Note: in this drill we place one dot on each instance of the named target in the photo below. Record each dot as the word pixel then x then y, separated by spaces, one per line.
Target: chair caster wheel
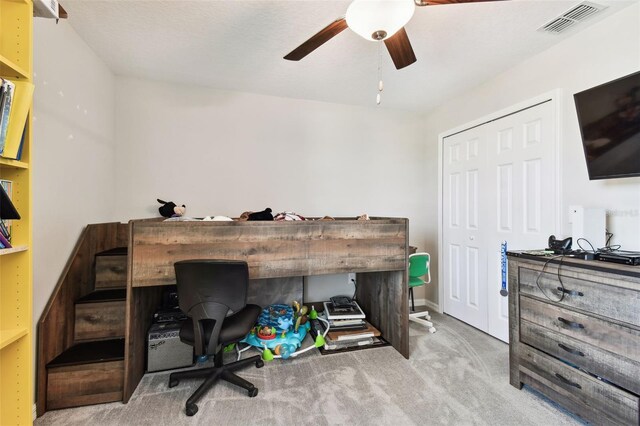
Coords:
pixel 432 330
pixel 259 363
pixel 191 409
pixel 173 383
pixel 252 392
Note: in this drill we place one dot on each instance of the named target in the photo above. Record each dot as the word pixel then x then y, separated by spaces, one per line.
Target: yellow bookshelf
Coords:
pixel 16 328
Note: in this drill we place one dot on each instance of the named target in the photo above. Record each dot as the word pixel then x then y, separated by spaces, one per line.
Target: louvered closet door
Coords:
pixel 505 190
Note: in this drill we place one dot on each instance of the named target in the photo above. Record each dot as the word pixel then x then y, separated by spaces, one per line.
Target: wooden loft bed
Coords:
pixel 376 250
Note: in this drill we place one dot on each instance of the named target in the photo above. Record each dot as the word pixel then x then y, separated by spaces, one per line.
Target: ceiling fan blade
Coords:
pixel 326 34
pixel 437 2
pixel 400 49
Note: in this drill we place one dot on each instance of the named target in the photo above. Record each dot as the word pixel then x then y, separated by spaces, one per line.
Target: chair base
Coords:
pixel 421 318
pixel 211 375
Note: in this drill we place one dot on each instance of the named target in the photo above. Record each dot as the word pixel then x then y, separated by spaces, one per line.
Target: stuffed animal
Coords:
pixel 263 215
pixel 169 209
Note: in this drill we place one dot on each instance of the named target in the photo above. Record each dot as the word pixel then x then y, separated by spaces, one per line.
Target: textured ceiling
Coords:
pixel 239 45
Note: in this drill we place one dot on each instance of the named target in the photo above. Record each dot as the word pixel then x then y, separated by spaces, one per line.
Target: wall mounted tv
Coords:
pixel 609 118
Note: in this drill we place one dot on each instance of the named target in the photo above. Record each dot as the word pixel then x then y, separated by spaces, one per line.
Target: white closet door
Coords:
pixel 464 258
pixel 521 198
pixel 499 184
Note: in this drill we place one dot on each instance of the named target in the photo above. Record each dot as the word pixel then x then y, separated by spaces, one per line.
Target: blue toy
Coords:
pixel 281 330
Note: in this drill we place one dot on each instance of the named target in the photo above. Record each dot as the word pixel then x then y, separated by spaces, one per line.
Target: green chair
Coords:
pixel 419 268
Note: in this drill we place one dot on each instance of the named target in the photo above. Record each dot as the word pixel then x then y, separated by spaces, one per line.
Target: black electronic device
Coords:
pixel 169 315
pixel 560 246
pixel 609 118
pixel 170 297
pixel 584 255
pixel 341 302
pixel 621 256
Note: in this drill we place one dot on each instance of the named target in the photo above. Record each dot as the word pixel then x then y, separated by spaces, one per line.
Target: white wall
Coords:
pixel 73 150
pixel 605 51
pixel 223 153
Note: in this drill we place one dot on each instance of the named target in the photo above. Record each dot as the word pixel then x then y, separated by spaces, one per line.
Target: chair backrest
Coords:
pixel 419 266
pixel 211 290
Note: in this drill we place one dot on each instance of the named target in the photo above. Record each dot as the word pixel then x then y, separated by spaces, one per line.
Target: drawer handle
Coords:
pixel 570 350
pixel 570 292
pixel 568 382
pixel 570 323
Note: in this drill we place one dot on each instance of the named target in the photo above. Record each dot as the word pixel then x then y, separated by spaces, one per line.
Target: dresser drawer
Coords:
pixel 589 397
pixel 615 338
pixel 608 365
pixel 619 303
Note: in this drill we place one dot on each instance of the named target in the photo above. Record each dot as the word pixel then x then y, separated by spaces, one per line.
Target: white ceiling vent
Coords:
pixel 572 16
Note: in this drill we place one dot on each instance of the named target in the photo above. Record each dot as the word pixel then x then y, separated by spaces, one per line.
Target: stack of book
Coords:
pixel 348 327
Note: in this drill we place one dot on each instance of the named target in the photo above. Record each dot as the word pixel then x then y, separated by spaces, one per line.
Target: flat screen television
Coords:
pixel 609 119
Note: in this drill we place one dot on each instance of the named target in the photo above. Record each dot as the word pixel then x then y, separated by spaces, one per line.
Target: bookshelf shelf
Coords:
pixel 7 337
pixel 7 162
pixel 11 69
pixel 16 275
pixel 12 250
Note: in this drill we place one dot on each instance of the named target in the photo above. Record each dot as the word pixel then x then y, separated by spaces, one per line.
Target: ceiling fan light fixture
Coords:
pixel 378 20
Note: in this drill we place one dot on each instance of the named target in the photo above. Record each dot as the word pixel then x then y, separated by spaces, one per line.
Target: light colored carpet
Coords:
pixel 457 376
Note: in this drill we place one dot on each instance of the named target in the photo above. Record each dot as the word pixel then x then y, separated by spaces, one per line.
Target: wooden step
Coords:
pixel 87 373
pixel 100 315
pixel 111 268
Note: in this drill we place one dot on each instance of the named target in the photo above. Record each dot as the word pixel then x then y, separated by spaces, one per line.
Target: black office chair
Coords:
pixel 213 293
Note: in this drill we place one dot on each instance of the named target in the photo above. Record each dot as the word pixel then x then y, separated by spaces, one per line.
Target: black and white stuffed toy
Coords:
pixel 263 215
pixel 170 209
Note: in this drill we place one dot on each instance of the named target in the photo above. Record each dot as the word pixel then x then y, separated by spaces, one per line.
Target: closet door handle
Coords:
pixel 570 292
pixel 570 350
pixel 570 323
pixel 568 382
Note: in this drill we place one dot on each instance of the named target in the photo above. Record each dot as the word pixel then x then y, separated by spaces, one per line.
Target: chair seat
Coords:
pixel 416 282
pixel 234 327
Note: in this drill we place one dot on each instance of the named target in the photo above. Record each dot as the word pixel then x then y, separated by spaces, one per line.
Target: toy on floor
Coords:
pixel 281 330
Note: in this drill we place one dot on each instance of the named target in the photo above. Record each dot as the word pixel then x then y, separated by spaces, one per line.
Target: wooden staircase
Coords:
pixel 81 334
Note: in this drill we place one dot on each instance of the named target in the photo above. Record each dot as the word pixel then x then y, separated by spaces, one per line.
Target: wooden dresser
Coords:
pixel 579 341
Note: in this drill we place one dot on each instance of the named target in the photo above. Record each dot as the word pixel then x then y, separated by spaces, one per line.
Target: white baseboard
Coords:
pixel 34 413
pixel 429 304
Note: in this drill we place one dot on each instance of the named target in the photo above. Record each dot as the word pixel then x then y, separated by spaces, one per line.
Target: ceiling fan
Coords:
pixel 375 20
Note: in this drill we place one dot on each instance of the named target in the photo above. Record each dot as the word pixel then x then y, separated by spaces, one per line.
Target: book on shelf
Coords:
pixel 14 119
pixel 6 97
pixel 5 230
pixel 4 243
pixel 5 225
pixel 7 209
pixel 353 312
pixel 19 153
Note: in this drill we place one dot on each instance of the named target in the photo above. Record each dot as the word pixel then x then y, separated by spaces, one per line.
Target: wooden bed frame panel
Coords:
pixel 272 249
pixel 376 250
